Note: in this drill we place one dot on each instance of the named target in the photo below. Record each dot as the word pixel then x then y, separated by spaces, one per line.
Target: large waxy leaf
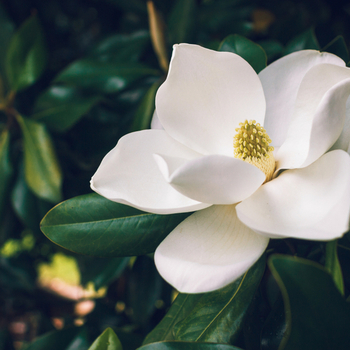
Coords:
pixel 105 77
pixel 333 265
pixel 93 225
pixel 26 55
pixel 304 41
pixel 317 316
pixel 41 167
pixel 210 317
pixel 108 340
pixel 253 53
pixel 60 107
pixel 182 345
pixel 182 21
pixel 6 169
pixel 144 113
pixel 121 47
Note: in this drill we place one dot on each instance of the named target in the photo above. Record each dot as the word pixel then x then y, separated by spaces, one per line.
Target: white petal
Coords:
pixel 155 123
pixel 206 95
pixel 208 250
pixel 212 179
pixel 343 141
pixel 128 174
pixel 281 81
pixel 319 116
pixel 308 203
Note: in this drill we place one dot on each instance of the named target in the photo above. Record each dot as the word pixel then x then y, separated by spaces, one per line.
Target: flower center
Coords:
pixel 251 144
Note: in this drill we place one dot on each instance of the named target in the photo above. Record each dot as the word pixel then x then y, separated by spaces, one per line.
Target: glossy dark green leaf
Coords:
pixel 305 41
pixel 60 107
pixel 104 77
pixel 253 53
pixel 333 266
pixel 121 47
pixel 6 169
pixel 218 316
pixel 41 167
pixel 102 271
pixel 338 47
pixel 144 113
pixel 108 340
pixel 93 225
pixel 179 310
pixel 182 345
pixel 273 49
pixel 26 56
pixel 144 289
pixel 55 340
pixel 6 30
pixel 182 21
pixel 317 315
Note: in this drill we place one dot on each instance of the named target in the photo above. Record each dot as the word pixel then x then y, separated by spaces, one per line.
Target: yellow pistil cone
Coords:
pixel 251 144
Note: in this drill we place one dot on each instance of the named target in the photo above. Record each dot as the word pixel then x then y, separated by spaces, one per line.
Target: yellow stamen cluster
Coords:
pixel 251 144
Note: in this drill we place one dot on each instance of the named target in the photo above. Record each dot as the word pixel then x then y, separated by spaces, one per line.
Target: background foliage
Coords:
pixel 77 75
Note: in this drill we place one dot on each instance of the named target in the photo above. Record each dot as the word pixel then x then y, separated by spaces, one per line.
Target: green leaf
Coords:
pixel 104 77
pixel 253 53
pixel 182 345
pixel 338 47
pixel 182 21
pixel 93 225
pixel 121 47
pixel 108 340
pixel 6 169
pixel 26 56
pixel 305 41
pixel 60 107
pixel 210 317
pixel 41 167
pixel 55 340
pixel 218 316
pixel 333 266
pixel 144 113
pixel 317 315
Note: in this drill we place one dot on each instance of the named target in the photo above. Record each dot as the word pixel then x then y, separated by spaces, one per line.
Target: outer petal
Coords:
pixel 208 250
pixel 128 174
pixel 308 203
pixel 319 116
pixel 155 123
pixel 212 179
pixel 281 81
pixel 206 95
pixel 343 141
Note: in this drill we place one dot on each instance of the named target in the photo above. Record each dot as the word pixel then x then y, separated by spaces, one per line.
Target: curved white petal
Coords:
pixel 206 95
pixel 319 116
pixel 128 174
pixel 308 203
pixel 208 250
pixel 281 81
pixel 343 141
pixel 155 122
pixel 212 179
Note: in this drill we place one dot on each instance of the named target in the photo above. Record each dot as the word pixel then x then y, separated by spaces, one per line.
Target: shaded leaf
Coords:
pixel 108 340
pixel 333 266
pixel 26 56
pixel 121 47
pixel 144 113
pixel 182 21
pixel 338 47
pixel 182 345
pixel 41 167
pixel 253 53
pixel 93 225
pixel 60 107
pixel 104 77
pixel 317 316
pixel 305 41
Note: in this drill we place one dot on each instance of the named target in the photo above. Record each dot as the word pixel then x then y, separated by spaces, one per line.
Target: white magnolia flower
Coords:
pixel 214 157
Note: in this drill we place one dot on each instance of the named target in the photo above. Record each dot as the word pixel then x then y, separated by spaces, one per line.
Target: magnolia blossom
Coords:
pixel 254 156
